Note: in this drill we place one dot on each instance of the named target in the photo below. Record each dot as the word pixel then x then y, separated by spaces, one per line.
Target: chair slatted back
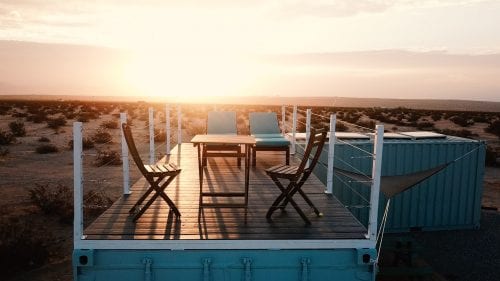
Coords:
pixel 127 132
pixel 316 140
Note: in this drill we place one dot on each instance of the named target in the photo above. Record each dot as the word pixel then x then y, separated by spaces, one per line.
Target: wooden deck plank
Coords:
pixel 222 174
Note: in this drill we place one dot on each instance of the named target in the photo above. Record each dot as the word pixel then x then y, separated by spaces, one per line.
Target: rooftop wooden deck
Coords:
pixel 222 174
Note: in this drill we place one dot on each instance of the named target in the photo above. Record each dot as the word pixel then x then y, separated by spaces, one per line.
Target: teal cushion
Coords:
pixel 271 142
pixel 268 136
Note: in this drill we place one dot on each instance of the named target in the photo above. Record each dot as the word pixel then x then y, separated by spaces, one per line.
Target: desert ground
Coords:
pixel 36 173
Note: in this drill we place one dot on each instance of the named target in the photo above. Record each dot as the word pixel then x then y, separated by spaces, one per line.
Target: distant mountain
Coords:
pixel 432 104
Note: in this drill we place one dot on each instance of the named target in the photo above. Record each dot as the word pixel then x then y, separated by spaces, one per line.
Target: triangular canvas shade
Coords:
pixel 393 185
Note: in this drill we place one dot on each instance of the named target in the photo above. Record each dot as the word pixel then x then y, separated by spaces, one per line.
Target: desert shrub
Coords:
pixel 56 200
pixel 87 143
pixel 6 138
pixel 491 156
pixel 4 151
pixel 108 157
pixel 19 115
pixel 367 124
pixel 37 118
pixel 95 202
pixel 459 133
pixel 102 136
pixel 494 128
pixel 111 124
pixel 43 139
pixel 196 128
pixel 70 114
pixel 17 128
pixel 56 123
pixel 341 127
pixel 46 148
pixel 22 246
pixel 159 135
pixel 425 125
pixel 4 109
pixel 436 116
pixel 461 121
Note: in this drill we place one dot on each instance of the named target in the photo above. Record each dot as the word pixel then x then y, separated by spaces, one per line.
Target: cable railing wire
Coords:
pixel 356 147
pixel 352 189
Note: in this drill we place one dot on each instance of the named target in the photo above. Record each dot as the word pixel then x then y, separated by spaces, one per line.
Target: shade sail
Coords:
pixel 393 185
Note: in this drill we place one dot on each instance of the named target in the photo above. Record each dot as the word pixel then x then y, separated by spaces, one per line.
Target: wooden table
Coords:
pixel 202 140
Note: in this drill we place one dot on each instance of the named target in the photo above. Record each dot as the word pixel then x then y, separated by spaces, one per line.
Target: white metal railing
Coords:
pixel 80 241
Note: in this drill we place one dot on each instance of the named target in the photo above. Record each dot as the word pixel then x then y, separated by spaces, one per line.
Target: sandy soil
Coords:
pixel 23 168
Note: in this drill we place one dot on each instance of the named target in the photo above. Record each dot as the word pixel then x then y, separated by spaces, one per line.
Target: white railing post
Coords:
pixel 378 144
pixel 77 183
pixel 126 170
pixel 308 129
pixel 151 136
pixel 179 124
pixel 294 128
pixel 331 153
pixel 167 128
pixel 283 119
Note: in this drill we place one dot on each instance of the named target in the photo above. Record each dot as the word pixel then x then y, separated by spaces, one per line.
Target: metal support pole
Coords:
pixel 77 183
pixel 126 169
pixel 378 144
pixel 294 128
pixel 331 153
pixel 283 119
pixel 308 129
pixel 179 124
pixel 167 128
pixel 151 136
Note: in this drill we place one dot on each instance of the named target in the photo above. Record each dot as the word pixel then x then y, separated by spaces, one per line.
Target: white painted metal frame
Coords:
pixel 179 124
pixel 77 183
pixel 125 164
pixel 294 129
pixel 151 137
pixel 378 144
pixel 223 244
pixel 308 130
pixel 331 153
pixel 167 128
pixel 283 119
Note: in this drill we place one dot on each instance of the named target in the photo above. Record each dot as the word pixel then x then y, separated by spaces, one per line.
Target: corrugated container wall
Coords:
pixel 450 199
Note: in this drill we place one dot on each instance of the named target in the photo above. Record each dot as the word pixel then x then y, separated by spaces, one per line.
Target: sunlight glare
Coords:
pixel 190 77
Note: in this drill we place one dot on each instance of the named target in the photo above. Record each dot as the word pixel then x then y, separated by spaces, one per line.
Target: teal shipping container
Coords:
pixel 448 200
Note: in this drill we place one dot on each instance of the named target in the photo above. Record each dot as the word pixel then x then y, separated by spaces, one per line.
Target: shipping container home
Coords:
pixel 451 199
pixel 222 244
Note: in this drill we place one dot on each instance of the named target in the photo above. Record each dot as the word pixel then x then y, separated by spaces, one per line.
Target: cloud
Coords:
pixel 346 8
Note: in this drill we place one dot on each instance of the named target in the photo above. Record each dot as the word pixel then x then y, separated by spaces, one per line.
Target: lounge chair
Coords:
pixel 154 174
pixel 297 176
pixel 264 127
pixel 222 123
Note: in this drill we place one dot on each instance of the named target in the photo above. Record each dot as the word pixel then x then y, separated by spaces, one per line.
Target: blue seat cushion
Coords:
pixel 271 142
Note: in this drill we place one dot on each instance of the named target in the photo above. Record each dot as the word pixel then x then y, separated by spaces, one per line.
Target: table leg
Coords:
pixel 200 173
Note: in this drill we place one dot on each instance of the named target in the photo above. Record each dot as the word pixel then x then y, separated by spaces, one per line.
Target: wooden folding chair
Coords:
pixel 154 174
pixel 297 175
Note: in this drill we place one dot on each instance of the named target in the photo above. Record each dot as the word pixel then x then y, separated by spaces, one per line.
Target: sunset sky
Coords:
pixel 447 49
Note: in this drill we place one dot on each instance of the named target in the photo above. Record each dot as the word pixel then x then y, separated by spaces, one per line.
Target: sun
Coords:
pixel 190 77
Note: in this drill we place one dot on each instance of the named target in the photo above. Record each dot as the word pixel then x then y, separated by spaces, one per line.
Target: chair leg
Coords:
pixel 151 182
pixel 239 158
pixel 287 157
pixel 254 156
